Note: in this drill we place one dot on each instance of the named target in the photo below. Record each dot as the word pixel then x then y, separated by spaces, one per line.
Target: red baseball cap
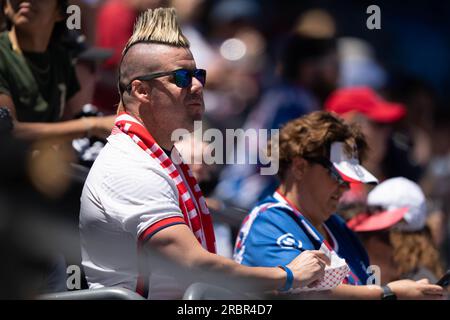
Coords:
pixel 364 222
pixel 364 100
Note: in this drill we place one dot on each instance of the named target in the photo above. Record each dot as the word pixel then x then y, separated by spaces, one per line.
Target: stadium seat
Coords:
pixel 113 293
pixel 204 291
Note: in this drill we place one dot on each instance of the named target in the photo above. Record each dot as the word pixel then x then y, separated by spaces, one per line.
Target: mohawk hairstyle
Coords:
pixel 157 26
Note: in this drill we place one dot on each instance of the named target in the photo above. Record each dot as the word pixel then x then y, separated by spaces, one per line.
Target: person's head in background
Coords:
pixel 28 17
pixel 309 57
pixel 394 232
pixel 188 10
pixel 235 29
pixel 86 60
pixel 421 100
pixel 375 115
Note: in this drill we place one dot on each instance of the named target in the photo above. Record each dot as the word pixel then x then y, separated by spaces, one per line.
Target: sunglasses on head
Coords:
pixel 332 171
pixel 181 77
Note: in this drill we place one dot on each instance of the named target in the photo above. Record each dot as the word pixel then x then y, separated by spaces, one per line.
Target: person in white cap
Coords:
pixel 395 234
pixel 319 157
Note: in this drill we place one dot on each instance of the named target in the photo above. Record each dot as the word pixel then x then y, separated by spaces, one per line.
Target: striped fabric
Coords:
pixel 191 201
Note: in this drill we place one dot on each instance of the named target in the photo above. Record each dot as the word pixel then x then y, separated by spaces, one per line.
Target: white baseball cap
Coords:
pixel 401 193
pixel 348 166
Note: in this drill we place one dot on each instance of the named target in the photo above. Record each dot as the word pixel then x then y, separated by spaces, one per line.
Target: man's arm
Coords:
pixel 69 130
pixel 178 244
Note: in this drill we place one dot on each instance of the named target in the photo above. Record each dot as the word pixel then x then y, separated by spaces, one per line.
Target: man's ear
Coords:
pixel 140 91
pixel 298 167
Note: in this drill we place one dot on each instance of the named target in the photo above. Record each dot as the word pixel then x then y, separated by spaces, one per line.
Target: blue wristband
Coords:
pixel 289 279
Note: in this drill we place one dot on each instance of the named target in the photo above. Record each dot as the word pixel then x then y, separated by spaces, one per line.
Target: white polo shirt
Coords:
pixel 126 193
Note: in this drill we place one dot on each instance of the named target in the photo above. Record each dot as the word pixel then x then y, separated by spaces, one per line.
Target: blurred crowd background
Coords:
pixel 268 62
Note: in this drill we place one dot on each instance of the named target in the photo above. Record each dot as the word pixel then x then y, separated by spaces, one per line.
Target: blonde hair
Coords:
pixel 413 250
pixel 157 26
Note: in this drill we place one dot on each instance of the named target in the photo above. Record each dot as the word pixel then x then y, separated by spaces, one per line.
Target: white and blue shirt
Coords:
pixel 274 233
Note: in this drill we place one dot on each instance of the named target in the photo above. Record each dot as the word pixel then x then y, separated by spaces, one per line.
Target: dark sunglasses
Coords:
pixel 332 171
pixel 181 77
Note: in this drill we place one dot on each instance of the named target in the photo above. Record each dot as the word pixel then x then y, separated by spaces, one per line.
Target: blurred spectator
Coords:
pixel 113 33
pixel 319 155
pixel 302 75
pixel 420 100
pixel 436 182
pixel 390 154
pixel 32 205
pixel 358 66
pixel 240 57
pixel 37 77
pixel 395 234
pixel 87 60
pixel 318 24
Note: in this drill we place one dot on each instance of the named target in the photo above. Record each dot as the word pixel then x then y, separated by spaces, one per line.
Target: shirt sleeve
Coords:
pixel 142 201
pixel 273 239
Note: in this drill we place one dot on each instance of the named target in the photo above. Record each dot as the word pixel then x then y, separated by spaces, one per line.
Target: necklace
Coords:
pixel 41 74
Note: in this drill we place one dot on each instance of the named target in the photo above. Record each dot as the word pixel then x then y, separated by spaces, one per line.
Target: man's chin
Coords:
pixel 197 115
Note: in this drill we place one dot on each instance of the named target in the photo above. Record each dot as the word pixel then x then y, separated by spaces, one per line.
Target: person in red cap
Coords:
pixel 375 115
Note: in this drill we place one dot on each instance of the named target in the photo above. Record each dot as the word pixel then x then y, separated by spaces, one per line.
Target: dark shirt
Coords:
pixel 39 84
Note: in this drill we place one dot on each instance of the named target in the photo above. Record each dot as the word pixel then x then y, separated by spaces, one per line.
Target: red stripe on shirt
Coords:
pixel 161 224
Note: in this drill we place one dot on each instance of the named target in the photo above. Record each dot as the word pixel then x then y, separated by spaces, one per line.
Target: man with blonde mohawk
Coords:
pixel 140 195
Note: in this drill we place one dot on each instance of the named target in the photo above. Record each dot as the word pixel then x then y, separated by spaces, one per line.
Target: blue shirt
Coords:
pixel 274 234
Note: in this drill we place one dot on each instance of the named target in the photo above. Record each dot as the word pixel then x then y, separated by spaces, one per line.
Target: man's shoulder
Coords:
pixel 122 160
pixel 123 151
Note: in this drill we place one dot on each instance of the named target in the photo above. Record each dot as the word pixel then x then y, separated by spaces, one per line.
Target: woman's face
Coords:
pixel 322 189
pixel 32 14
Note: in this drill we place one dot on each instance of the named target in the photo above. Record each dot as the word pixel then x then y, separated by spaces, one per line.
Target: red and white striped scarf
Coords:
pixel 190 198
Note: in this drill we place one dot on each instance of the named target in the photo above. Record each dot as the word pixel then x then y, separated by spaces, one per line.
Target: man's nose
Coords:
pixel 196 86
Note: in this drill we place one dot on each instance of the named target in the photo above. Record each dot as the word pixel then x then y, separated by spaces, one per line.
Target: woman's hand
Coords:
pixel 422 289
pixel 308 267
